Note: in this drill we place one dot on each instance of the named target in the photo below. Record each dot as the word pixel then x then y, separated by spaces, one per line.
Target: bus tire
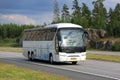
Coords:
pixel 32 56
pixel 74 62
pixel 51 59
pixel 29 56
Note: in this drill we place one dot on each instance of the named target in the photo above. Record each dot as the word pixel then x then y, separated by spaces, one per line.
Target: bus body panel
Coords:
pixel 43 49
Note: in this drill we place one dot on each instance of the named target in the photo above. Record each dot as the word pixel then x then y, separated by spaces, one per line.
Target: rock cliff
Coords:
pixel 95 39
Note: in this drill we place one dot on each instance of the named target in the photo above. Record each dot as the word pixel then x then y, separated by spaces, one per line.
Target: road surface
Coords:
pixel 88 70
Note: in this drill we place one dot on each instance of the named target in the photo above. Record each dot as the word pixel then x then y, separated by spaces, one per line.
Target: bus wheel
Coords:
pixel 32 57
pixel 29 56
pixel 51 59
pixel 74 62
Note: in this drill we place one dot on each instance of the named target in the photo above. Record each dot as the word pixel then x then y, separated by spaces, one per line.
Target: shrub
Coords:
pixel 116 46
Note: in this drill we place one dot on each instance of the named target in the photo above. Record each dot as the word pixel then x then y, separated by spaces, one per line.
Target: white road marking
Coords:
pixel 52 66
pixel 77 71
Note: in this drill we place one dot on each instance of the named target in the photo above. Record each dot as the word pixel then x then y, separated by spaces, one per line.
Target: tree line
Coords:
pixel 12 30
pixel 98 18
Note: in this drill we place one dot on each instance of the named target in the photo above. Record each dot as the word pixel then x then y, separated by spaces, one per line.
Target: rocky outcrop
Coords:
pixel 94 34
pixel 93 39
pixel 105 45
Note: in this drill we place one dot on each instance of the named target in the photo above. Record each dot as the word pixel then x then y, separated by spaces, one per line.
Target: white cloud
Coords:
pixel 45 17
pixel 114 1
pixel 111 3
pixel 16 18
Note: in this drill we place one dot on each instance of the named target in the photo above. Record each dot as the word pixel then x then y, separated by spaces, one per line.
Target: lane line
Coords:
pixel 104 76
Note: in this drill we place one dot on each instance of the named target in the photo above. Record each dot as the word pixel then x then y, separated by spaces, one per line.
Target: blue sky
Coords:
pixel 37 11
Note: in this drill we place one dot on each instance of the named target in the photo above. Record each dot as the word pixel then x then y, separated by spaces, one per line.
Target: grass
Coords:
pixel 13 44
pixel 11 49
pixel 12 72
pixel 9 42
pixel 104 57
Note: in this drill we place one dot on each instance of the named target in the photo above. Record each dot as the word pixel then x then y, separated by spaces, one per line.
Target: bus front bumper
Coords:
pixel 66 57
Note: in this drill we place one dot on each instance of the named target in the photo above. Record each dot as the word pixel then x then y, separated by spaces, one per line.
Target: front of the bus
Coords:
pixel 71 44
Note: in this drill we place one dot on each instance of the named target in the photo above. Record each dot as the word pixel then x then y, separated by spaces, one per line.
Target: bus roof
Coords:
pixel 59 25
pixel 64 25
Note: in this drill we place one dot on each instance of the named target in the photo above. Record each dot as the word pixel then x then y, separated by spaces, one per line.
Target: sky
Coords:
pixel 37 12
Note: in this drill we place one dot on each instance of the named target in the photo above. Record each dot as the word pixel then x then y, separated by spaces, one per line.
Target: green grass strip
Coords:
pixel 12 72
pixel 11 49
pixel 103 57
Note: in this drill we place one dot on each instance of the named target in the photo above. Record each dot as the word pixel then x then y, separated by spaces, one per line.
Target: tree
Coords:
pixel 4 31
pixel 86 16
pixel 12 30
pixel 76 15
pixel 56 12
pixel 99 15
pixel 65 14
pixel 116 20
pixel 110 20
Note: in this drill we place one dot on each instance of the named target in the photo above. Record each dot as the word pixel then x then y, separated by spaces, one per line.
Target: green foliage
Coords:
pixel 9 42
pixel 86 16
pixel 10 34
pixel 113 26
pixel 76 15
pixel 116 46
pixel 97 18
pixel 65 14
pixel 12 30
pixel 99 15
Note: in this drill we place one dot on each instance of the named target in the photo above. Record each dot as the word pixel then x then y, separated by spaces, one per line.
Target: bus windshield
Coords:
pixel 71 38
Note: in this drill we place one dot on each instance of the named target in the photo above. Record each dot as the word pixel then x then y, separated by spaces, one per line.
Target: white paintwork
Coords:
pixel 64 25
pixel 42 49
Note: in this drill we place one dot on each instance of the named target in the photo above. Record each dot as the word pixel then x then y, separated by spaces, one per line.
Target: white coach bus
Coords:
pixel 63 42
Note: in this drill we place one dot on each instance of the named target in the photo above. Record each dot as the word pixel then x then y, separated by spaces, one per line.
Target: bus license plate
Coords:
pixel 73 58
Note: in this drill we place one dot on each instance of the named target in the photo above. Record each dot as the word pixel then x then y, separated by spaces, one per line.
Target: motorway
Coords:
pixel 88 70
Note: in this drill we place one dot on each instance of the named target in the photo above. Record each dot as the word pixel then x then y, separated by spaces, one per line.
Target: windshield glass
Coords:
pixel 71 37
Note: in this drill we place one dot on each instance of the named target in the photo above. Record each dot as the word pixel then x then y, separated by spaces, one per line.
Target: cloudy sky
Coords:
pixel 37 11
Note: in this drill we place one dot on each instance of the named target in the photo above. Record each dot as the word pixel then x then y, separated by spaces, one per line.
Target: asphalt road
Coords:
pixel 88 70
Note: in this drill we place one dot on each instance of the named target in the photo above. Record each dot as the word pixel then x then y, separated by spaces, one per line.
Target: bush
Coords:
pixel 116 46
pixel 9 42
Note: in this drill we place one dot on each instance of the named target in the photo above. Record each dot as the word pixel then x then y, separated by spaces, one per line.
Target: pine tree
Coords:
pixel 117 12
pixel 116 20
pixel 65 14
pixel 76 15
pixel 113 21
pixel 86 16
pixel 56 12
pixel 110 20
pixel 99 15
